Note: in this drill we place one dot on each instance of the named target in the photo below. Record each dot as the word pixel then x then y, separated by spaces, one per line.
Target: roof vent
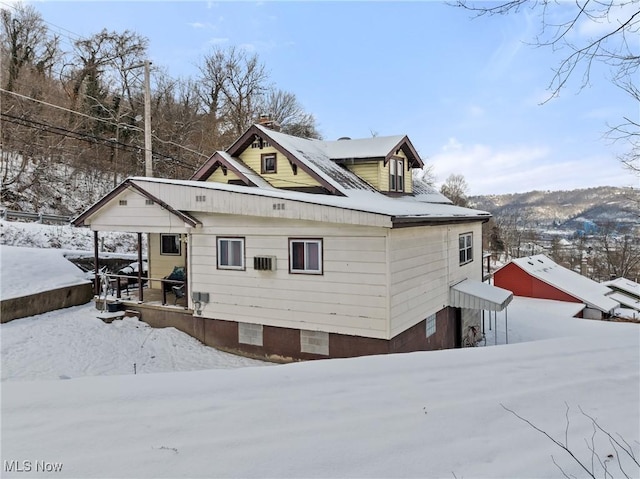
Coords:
pixel 342 138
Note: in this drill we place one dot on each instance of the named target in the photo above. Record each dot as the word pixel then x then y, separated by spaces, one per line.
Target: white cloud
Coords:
pixel 520 168
pixel 217 40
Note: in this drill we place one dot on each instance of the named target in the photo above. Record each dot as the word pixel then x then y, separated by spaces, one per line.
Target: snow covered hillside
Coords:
pixel 71 402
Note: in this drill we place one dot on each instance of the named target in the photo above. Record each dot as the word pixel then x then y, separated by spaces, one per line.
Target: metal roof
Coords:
pixel 473 294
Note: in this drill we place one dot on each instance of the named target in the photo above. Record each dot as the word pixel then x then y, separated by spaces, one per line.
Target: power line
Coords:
pixel 86 137
pixel 109 122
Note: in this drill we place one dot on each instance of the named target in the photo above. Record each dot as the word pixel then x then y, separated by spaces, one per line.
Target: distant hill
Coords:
pixel 567 209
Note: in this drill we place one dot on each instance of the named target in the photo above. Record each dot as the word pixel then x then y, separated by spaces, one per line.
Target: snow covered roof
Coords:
pixel 592 293
pixel 400 208
pixel 625 285
pixel 472 294
pixel 322 159
pixel 626 300
pixel 376 147
pixel 428 194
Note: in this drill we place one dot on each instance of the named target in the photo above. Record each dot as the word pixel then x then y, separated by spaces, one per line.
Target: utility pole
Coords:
pixel 148 155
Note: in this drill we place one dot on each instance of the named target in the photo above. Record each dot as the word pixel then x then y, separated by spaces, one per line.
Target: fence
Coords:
pixel 8 215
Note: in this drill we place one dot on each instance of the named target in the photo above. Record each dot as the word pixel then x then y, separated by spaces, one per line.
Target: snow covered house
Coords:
pixel 627 293
pixel 299 249
pixel 540 277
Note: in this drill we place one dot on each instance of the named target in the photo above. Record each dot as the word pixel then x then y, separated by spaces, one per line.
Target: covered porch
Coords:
pixel 159 277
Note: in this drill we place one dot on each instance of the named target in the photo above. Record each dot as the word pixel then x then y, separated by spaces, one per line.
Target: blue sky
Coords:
pixel 466 91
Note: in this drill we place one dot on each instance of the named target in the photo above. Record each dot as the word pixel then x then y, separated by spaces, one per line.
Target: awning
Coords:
pixel 472 294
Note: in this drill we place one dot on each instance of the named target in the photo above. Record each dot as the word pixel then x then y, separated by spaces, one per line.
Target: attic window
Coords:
pixel 396 175
pixel 268 163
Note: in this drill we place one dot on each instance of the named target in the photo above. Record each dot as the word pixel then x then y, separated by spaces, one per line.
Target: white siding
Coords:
pixel 183 198
pixel 424 264
pixel 350 297
pixel 135 216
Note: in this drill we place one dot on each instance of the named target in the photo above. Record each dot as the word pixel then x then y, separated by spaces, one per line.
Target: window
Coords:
pixel 396 175
pixel 269 163
pixel 465 242
pixel 170 245
pixel 431 325
pixel 305 256
pixel 231 253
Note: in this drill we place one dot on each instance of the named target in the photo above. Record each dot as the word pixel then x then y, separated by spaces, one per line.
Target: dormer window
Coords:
pixel 396 175
pixel 269 163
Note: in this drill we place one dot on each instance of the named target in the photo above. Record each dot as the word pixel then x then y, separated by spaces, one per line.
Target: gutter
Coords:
pixel 409 221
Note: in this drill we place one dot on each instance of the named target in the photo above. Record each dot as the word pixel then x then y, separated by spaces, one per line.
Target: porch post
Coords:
pixel 506 326
pixel 96 260
pixel 140 267
pixel 186 270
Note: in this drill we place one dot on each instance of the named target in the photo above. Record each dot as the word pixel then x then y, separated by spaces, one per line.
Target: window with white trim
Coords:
pixel 305 256
pixel 465 242
pixel 230 253
pixel 268 162
pixel 431 325
pixel 170 245
pixel 396 175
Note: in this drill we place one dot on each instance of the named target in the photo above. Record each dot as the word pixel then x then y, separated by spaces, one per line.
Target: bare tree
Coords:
pixel 619 251
pixel 26 42
pixel 614 44
pixel 455 188
pixel 285 108
pixel 425 175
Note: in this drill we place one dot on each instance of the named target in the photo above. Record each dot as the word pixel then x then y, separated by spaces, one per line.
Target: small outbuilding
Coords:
pixel 540 277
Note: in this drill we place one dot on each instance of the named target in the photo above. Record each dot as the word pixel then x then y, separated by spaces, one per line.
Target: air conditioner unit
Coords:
pixel 264 263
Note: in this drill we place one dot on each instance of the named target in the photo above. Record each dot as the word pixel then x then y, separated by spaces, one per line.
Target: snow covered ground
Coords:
pixel 70 401
pixel 73 342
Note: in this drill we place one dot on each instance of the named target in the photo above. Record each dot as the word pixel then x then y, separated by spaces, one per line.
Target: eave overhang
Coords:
pixel 410 221
pixel 213 163
pixel 408 150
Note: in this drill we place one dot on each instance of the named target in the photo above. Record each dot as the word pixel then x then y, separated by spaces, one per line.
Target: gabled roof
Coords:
pixel 321 159
pixel 586 290
pixel 307 155
pixel 376 147
pixel 130 184
pixel 225 160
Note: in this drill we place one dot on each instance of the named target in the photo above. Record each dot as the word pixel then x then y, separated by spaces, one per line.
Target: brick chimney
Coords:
pixel 268 122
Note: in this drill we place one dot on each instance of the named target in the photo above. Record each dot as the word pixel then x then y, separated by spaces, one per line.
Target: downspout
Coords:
pixel 96 260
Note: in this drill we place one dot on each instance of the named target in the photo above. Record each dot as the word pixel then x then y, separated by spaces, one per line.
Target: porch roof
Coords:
pixel 472 294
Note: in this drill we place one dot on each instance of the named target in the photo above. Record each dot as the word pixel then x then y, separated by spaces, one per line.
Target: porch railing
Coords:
pixel 115 284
